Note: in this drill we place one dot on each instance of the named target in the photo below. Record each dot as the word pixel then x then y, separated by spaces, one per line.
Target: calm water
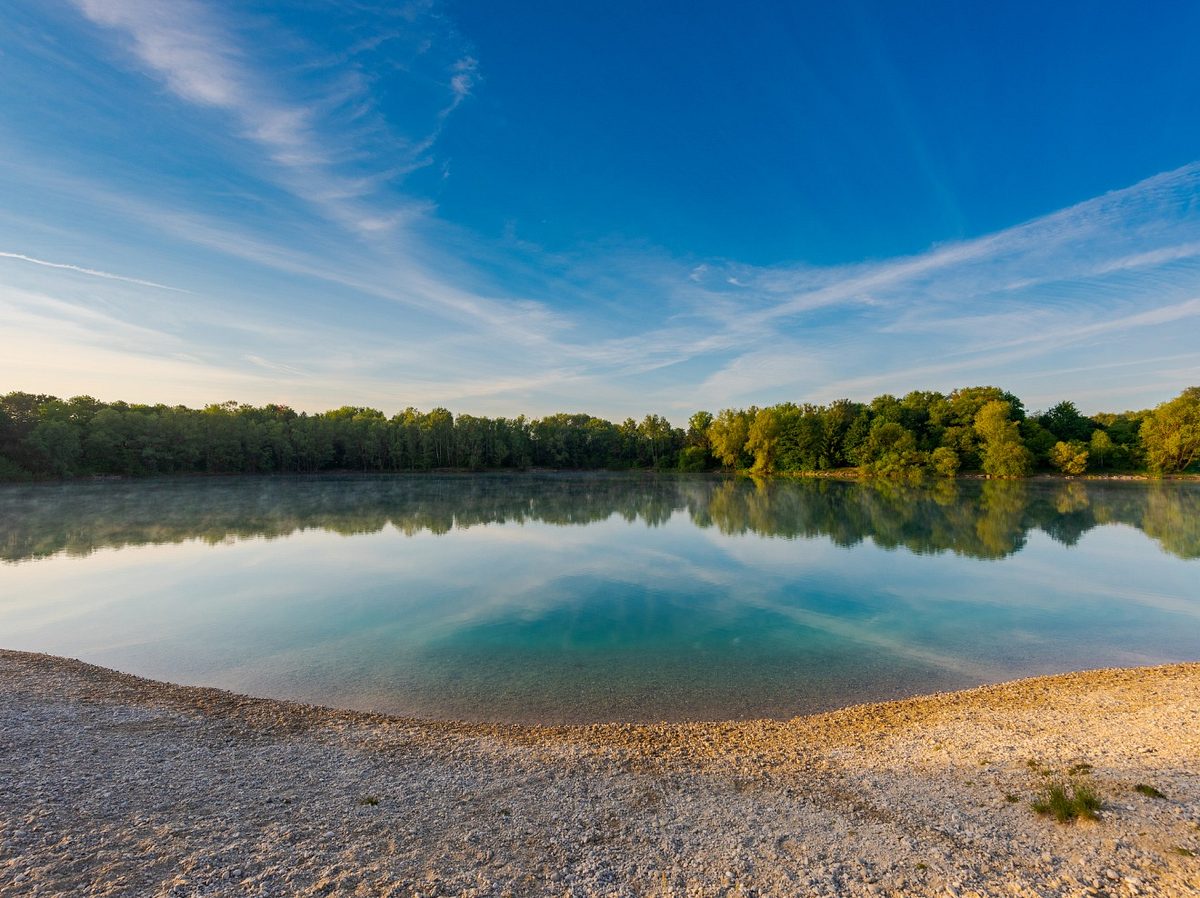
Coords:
pixel 599 597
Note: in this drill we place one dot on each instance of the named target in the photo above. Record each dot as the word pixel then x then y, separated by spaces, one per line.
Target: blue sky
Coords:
pixel 602 207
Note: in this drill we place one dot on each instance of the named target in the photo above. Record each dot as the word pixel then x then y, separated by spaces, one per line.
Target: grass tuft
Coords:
pixel 368 801
pixel 1148 790
pixel 1067 803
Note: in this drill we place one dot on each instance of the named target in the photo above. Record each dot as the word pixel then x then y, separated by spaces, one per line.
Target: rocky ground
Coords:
pixel 116 786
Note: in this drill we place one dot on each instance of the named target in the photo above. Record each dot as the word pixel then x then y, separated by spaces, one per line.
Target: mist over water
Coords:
pixel 585 597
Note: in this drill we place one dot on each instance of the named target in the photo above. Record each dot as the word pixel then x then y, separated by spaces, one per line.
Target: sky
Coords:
pixel 615 208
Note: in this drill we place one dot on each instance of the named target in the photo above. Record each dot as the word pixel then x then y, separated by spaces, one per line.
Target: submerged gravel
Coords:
pixel 112 785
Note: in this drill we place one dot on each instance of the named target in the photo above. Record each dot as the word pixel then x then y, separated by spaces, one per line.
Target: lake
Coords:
pixel 557 598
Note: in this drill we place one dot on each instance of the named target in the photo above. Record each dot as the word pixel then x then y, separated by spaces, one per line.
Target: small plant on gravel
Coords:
pixel 368 800
pixel 1148 790
pixel 1066 803
pixel 1010 798
pixel 1077 769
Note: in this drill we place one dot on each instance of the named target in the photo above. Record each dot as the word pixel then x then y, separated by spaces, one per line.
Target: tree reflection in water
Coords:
pixel 978 519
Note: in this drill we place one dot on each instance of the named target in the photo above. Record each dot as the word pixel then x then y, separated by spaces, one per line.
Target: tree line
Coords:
pixel 981 430
pixel 972 429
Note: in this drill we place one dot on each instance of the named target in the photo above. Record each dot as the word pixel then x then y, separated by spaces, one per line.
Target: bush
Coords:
pixel 11 471
pixel 1070 458
pixel 945 461
pixel 1066 803
pixel 694 458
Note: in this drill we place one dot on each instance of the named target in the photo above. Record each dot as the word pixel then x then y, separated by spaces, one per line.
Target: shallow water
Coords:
pixel 585 597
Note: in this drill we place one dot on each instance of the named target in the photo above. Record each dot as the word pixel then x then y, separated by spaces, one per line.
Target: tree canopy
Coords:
pixel 982 429
pixel 1171 433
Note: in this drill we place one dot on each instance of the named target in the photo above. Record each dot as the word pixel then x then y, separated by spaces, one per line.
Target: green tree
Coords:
pixel 57 443
pixel 762 440
pixel 655 431
pixel 437 437
pixel 891 451
pixel 801 438
pixel 693 459
pixel 1100 446
pixel 1003 453
pixel 1070 458
pixel 916 415
pixel 727 436
pixel 838 422
pixel 1066 423
pixel 1171 433
pixel 105 443
pixel 695 454
pixel 1038 440
pixel 697 432
pixel 945 461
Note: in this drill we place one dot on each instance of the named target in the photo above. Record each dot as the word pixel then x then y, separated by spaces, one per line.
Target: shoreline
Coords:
pixel 115 785
pixel 845 474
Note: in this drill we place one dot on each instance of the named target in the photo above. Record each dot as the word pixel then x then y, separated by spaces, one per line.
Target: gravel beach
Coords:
pixel 111 785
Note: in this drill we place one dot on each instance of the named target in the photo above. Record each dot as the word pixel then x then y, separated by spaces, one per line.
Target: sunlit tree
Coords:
pixel 1004 455
pixel 1171 433
pixel 1070 458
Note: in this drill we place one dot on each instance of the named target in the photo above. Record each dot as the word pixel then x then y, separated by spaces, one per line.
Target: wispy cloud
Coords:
pixel 1114 266
pixel 201 59
pixel 1151 257
pixel 92 272
pixel 272 366
pixel 27 311
pixel 462 81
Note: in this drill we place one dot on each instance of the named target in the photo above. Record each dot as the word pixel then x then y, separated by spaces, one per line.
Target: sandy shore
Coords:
pixel 113 785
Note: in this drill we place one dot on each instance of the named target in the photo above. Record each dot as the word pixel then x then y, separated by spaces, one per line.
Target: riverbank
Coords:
pixel 117 786
pixel 859 475
pixel 849 474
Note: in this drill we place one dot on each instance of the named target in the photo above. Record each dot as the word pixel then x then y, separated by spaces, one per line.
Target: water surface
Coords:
pixel 583 597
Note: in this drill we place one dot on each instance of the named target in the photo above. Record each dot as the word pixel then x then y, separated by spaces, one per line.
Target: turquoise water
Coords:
pixel 586 597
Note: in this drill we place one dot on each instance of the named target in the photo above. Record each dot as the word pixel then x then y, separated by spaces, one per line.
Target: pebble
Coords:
pixel 261 798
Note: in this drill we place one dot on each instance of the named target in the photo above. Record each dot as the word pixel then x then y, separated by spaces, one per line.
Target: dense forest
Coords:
pixel 982 430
